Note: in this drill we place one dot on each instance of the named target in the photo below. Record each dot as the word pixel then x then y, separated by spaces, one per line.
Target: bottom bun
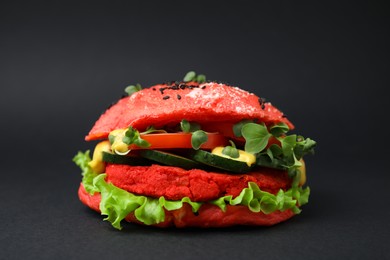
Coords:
pixel 208 215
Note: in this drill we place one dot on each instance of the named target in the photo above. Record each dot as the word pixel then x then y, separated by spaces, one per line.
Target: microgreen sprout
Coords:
pixel 151 129
pixel 198 138
pixel 256 137
pixel 192 76
pixel 231 150
pixel 132 136
pixel 188 127
pixel 286 155
pixel 133 88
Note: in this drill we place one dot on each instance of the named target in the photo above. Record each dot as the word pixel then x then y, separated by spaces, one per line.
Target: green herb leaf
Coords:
pixel 132 89
pixel 185 126
pixel 127 140
pixel 264 160
pixel 285 156
pixel 231 151
pixel 151 129
pixel 132 136
pixel 288 144
pixel 276 150
pixel 201 78
pixel 131 132
pixel 190 76
pixel 304 146
pixel 279 129
pixel 237 127
pixel 188 127
pixel 198 138
pixel 111 139
pixel 141 143
pixel 256 137
pixel 270 154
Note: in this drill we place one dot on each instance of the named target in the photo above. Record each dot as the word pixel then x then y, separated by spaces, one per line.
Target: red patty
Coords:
pixel 175 183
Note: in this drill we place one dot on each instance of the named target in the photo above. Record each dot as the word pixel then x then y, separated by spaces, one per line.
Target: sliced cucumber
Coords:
pixel 218 161
pixel 123 159
pixel 170 159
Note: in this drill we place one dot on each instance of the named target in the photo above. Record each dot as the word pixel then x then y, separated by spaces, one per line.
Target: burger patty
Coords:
pixel 174 183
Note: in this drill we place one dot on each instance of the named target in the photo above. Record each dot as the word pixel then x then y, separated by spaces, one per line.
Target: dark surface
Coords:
pixel 62 64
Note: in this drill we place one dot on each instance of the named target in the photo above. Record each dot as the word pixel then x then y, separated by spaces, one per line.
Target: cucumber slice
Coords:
pixel 219 161
pixel 123 159
pixel 170 159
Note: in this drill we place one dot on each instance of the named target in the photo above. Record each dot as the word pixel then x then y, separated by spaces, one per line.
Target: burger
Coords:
pixel 194 153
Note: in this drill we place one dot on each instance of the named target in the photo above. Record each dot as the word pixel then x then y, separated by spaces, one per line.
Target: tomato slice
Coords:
pixel 180 140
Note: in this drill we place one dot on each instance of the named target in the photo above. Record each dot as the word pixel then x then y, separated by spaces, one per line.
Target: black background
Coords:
pixel 326 66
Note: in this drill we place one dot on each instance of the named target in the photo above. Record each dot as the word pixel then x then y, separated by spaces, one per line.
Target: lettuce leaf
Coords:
pixel 82 159
pixel 261 201
pixel 117 203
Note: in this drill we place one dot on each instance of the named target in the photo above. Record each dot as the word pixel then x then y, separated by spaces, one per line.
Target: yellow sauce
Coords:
pixel 302 169
pixel 97 164
pixel 248 158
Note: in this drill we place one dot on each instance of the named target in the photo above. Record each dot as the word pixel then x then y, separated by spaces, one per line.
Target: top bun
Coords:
pixel 168 104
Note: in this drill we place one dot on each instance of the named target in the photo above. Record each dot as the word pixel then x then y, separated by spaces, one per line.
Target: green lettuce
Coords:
pixel 81 160
pixel 117 203
pixel 261 201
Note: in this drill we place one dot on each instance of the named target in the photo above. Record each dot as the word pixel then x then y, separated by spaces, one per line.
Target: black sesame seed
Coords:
pixel 203 87
pixel 166 97
pixel 178 97
pixel 262 100
pixel 154 88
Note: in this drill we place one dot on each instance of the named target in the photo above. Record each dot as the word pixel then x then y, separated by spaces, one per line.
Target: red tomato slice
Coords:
pixel 180 140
